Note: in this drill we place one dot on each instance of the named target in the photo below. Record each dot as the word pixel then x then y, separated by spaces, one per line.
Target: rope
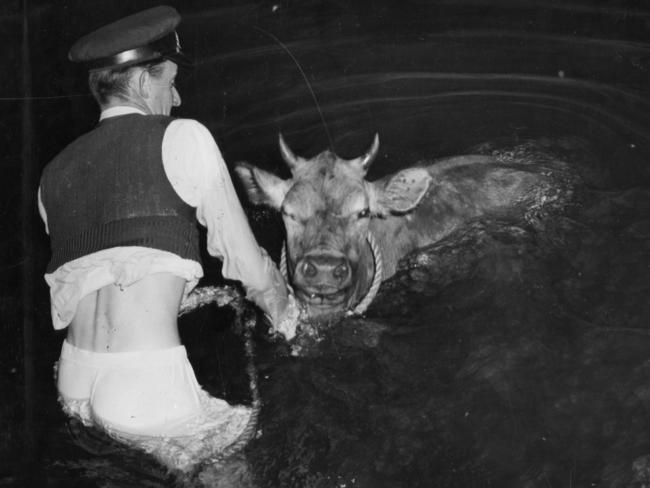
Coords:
pixel 363 305
pixel 283 262
pixel 227 295
pixel 250 430
pixel 223 296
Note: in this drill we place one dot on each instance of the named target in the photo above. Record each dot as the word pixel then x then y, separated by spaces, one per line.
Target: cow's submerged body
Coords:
pixel 329 209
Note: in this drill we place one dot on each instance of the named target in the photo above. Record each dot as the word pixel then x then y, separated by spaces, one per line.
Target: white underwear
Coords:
pixel 149 399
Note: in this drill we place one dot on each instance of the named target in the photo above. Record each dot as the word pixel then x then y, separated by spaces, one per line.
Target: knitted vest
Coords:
pixel 108 188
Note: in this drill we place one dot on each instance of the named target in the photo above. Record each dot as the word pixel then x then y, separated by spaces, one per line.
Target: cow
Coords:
pixel 340 225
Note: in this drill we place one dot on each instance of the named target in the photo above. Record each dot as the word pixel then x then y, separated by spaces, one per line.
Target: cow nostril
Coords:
pixel 309 269
pixel 341 271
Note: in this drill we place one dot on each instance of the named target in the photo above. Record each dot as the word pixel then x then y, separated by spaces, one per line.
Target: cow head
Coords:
pixel 327 206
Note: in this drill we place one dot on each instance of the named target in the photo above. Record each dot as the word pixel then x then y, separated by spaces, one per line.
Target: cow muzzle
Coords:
pixel 322 278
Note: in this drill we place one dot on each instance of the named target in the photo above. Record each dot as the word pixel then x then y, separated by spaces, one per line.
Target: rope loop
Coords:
pixel 222 296
pixel 226 295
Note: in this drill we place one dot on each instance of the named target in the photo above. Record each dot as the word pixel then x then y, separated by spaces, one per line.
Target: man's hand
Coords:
pixel 291 317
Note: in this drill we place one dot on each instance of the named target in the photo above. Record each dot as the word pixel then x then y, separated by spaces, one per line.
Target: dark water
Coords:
pixel 510 354
pixel 515 353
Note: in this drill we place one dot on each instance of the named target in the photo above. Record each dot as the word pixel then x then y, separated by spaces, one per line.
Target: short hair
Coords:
pixel 110 83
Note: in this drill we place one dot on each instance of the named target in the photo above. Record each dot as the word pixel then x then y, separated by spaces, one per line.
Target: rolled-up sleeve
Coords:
pixel 198 173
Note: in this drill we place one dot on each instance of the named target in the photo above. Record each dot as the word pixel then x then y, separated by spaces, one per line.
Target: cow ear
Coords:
pixel 262 187
pixel 404 191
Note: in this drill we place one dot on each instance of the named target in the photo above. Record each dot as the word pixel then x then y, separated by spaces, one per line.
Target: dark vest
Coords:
pixel 108 189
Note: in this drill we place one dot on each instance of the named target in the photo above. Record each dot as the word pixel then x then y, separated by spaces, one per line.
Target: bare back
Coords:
pixel 142 316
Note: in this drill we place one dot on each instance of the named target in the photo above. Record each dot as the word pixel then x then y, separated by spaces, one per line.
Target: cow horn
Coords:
pixel 365 160
pixel 287 154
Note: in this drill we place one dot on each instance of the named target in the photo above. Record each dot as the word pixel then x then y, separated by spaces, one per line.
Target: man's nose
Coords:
pixel 176 98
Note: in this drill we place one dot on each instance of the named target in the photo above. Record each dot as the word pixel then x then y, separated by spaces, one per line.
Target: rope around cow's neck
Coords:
pixel 363 305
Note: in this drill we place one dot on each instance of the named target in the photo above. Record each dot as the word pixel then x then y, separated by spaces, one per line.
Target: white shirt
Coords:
pixel 194 166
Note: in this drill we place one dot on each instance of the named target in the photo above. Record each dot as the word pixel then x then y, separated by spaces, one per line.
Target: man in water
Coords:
pixel 120 205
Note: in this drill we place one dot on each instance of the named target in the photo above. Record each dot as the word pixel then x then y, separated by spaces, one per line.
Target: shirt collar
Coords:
pixel 119 110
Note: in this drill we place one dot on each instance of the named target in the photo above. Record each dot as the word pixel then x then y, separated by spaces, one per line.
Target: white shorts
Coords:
pixel 150 399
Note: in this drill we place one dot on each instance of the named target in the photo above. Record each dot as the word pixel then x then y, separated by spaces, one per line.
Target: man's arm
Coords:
pixel 198 173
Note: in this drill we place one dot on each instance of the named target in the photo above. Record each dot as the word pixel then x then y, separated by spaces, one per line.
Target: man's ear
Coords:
pixel 262 187
pixel 142 83
pixel 403 192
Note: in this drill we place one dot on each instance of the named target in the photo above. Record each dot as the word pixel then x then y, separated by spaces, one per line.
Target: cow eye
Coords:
pixel 365 213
